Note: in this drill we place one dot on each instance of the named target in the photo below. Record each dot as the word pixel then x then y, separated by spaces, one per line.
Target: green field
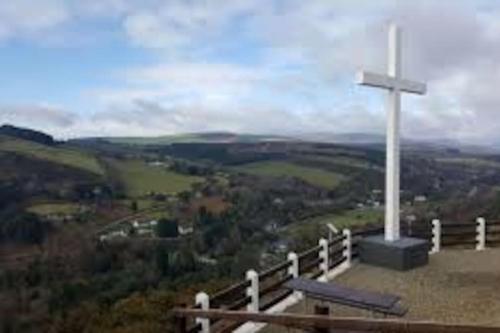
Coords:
pixel 54 208
pixel 349 218
pixel 344 160
pixel 141 179
pixel 69 157
pixel 469 161
pixel 307 232
pixel 313 176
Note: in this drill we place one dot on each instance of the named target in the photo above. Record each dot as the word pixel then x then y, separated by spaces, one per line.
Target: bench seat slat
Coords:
pixel 348 296
pixel 396 309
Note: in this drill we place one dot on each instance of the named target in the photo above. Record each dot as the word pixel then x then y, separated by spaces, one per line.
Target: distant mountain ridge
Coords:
pixel 27 134
pixel 202 137
pixel 373 140
pixel 355 139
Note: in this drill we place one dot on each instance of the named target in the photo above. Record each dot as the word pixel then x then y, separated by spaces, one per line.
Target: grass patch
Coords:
pixel 44 209
pixel 313 176
pixel 343 220
pixel 141 179
pixel 306 233
pixel 69 157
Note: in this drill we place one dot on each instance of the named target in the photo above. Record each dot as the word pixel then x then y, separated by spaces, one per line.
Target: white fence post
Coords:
pixel 323 255
pixel 293 269
pixel 481 234
pixel 203 301
pixel 347 245
pixel 436 236
pixel 332 231
pixel 253 291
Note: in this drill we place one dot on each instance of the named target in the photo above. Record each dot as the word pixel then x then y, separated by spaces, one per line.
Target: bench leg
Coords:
pixel 323 311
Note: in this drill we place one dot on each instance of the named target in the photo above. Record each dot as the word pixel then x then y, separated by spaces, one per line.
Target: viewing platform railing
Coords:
pixel 325 323
pixel 264 293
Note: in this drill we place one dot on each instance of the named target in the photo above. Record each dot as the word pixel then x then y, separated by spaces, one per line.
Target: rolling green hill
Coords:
pixel 313 176
pixel 469 161
pixel 352 162
pixel 55 154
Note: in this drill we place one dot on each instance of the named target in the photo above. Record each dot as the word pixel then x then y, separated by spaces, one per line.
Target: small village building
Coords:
pixel 156 163
pixel 278 202
pixel 420 198
pixel 185 230
pixel 145 232
pixel 113 235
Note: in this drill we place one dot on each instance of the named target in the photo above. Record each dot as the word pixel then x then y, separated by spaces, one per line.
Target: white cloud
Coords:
pixel 173 25
pixel 451 45
pixel 183 85
pixel 44 114
pixel 53 119
pixel 300 77
pixel 30 17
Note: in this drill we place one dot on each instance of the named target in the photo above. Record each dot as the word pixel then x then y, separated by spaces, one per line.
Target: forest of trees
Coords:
pixel 167 228
pixel 23 227
pixel 27 134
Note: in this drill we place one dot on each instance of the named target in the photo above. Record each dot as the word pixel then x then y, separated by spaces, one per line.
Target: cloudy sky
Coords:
pixel 152 67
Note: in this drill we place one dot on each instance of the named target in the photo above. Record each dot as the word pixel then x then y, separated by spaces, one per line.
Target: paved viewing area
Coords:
pixel 458 286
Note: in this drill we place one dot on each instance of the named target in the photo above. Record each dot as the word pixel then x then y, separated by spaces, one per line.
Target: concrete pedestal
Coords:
pixel 404 254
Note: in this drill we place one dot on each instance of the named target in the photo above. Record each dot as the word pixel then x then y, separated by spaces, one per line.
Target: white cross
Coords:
pixel 395 85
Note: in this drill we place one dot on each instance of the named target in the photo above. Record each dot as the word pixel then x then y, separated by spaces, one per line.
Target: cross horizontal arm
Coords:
pixel 375 80
pixel 412 87
pixel 388 82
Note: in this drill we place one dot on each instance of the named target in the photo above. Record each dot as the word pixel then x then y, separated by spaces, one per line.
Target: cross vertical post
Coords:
pixel 392 140
pixel 394 84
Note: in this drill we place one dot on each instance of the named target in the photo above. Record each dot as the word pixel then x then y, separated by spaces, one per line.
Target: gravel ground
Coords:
pixel 458 286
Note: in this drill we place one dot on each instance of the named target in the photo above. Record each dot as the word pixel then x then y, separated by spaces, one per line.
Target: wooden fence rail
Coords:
pixel 311 322
pixel 271 280
pixel 339 249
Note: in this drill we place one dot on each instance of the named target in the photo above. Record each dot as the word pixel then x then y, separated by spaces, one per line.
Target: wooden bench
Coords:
pixel 361 299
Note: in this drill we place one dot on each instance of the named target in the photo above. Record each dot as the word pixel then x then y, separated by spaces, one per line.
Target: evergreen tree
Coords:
pixel 167 228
